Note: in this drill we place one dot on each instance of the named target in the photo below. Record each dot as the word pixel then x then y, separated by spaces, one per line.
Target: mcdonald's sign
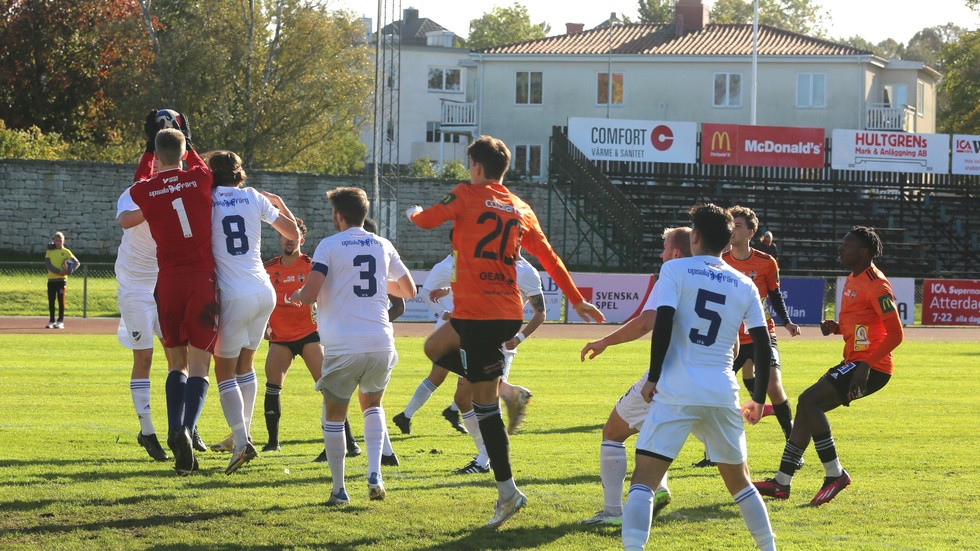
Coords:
pixel 735 144
pixel 717 142
pixel 721 141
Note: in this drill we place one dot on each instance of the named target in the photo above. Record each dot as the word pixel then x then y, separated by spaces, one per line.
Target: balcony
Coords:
pixel 882 116
pixel 457 117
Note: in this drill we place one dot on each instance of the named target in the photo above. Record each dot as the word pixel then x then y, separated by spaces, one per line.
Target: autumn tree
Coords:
pixel 656 11
pixel 801 16
pixel 504 26
pixel 961 85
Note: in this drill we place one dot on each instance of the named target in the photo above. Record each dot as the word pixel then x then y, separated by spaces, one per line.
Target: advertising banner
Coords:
pixel 904 291
pixel 782 146
pixel 966 154
pixel 889 151
pixel 632 140
pixel 951 302
pixel 619 296
pixel 417 309
pixel 804 299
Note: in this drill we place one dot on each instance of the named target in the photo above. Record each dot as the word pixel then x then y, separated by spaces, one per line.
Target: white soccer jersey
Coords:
pixel 352 306
pixel 136 259
pixel 711 300
pixel 441 276
pixel 528 279
pixel 236 229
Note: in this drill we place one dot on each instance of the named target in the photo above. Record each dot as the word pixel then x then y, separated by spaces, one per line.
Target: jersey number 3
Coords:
pixel 702 310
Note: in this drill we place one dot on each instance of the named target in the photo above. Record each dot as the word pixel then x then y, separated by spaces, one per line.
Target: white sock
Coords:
pixel 421 396
pixel 506 489
pixel 612 472
pixel 234 409
pixel 756 517
pixel 454 407
pixel 374 433
pixel 249 390
pixel 335 443
pixel 473 425
pixel 637 515
pixel 833 468
pixel 783 478
pixel 140 389
pixel 386 448
pixel 663 482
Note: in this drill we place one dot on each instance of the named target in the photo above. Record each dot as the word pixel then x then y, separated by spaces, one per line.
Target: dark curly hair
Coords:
pixel 869 238
pixel 226 168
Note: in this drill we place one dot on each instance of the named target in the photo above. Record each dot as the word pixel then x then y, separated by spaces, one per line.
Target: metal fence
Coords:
pixel 91 291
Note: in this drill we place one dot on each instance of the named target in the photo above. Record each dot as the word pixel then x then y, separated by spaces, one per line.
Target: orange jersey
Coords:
pixel 866 302
pixel 764 272
pixel 490 226
pixel 290 321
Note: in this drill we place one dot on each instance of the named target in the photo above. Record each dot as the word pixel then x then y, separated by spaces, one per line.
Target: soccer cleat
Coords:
pixel 241 456
pixel 403 423
pixel 152 446
pixel 517 409
pixel 473 468
pixel 770 488
pixel 661 499
pixel 50 325
pixel 271 447
pixel 340 498
pixel 389 460
pixel 198 442
pixel 506 509
pixel 322 458
pixel 704 463
pixel 376 488
pixel 452 416
pixel 59 325
pixel 768 410
pixel 226 445
pixel 831 487
pixel 353 450
pixel 602 517
pixel 180 444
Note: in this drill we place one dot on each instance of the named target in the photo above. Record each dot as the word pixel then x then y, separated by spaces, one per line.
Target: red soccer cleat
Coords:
pixel 831 487
pixel 770 488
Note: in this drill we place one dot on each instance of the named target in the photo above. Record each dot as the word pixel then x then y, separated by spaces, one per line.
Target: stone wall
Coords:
pixel 79 199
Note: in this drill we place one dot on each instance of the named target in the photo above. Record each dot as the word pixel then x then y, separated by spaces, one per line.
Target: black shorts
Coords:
pixel 296 347
pixel 841 375
pixel 747 352
pixel 479 342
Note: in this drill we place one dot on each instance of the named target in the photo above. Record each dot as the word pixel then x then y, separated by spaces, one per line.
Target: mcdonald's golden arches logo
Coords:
pixel 721 141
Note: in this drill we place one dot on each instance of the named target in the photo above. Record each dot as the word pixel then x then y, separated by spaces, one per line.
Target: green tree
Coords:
pixel 656 11
pixel 860 43
pixel 961 86
pixel 504 26
pixel 801 16
pixel 927 45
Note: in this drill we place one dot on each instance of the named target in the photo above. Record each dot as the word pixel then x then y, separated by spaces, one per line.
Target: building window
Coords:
pixel 602 88
pixel 444 79
pixel 920 98
pixel 811 90
pixel 434 134
pixel 529 88
pixel 527 160
pixel 728 90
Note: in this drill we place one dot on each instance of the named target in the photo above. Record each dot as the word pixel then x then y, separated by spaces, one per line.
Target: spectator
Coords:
pixel 767 246
pixel 60 263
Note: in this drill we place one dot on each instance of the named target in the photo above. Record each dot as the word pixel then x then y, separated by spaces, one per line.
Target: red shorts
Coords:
pixel 188 308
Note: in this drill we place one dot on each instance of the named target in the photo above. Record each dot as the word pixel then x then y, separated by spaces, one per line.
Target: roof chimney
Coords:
pixel 690 15
pixel 574 28
pixel 410 14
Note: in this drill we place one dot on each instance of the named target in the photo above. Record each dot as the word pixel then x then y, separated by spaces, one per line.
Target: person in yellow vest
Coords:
pixel 60 262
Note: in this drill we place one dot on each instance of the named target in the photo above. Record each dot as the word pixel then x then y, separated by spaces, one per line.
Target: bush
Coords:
pixel 34 144
pixel 421 168
pixel 455 170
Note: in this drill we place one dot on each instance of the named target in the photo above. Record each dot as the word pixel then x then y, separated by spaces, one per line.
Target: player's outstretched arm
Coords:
pixel 130 219
pixel 589 312
pixel 403 287
pixel 540 313
pixel 629 331
pixel 311 289
pixel 829 327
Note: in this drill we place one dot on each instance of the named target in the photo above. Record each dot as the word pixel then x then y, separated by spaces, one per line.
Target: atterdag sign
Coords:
pixel 632 140
pixel 782 146
pixel 890 151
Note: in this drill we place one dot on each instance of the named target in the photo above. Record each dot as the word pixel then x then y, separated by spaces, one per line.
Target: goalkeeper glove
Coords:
pixel 185 129
pixel 150 128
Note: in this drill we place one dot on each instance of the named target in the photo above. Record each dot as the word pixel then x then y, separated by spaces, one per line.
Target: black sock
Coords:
pixel 791 459
pixel 824 444
pixel 785 417
pixel 495 439
pixel 349 434
pixel 273 411
pixel 749 384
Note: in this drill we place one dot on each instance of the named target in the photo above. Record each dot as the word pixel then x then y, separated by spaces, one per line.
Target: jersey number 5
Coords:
pixel 486 248
pixel 702 310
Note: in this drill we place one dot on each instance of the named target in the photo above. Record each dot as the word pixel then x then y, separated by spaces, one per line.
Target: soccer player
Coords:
pixel 54 260
pixel 872 329
pixel 176 205
pixel 627 416
pixel 701 302
pixel 763 270
pixel 490 225
pixel 247 294
pixel 352 270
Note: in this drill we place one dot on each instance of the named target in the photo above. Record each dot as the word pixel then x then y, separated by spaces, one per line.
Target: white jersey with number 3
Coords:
pixel 236 231
pixel 711 300
pixel 352 306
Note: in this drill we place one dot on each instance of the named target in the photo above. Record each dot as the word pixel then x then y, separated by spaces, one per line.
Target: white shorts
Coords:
pixel 242 321
pixel 632 407
pixel 343 373
pixel 720 428
pixel 138 320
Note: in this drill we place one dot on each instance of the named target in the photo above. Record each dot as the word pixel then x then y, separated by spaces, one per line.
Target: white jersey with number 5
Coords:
pixel 711 300
pixel 236 230
pixel 352 306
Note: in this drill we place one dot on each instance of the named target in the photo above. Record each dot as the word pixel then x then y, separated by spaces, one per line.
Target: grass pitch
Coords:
pixel 73 476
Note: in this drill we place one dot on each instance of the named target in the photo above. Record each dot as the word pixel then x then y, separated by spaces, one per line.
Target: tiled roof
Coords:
pixel 414 30
pixel 660 39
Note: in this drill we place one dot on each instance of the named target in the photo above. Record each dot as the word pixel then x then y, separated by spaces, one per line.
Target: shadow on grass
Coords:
pixel 505 538
pixel 121 524
pixel 563 430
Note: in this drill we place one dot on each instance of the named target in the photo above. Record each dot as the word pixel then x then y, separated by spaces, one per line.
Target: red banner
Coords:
pixel 951 302
pixel 783 146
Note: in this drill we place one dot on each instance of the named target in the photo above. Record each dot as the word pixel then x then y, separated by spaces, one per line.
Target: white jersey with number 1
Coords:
pixel 236 231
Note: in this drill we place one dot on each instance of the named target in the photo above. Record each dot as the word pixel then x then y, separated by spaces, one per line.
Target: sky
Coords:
pixel 874 20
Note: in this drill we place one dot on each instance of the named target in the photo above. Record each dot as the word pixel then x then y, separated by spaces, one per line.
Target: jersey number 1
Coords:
pixel 185 224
